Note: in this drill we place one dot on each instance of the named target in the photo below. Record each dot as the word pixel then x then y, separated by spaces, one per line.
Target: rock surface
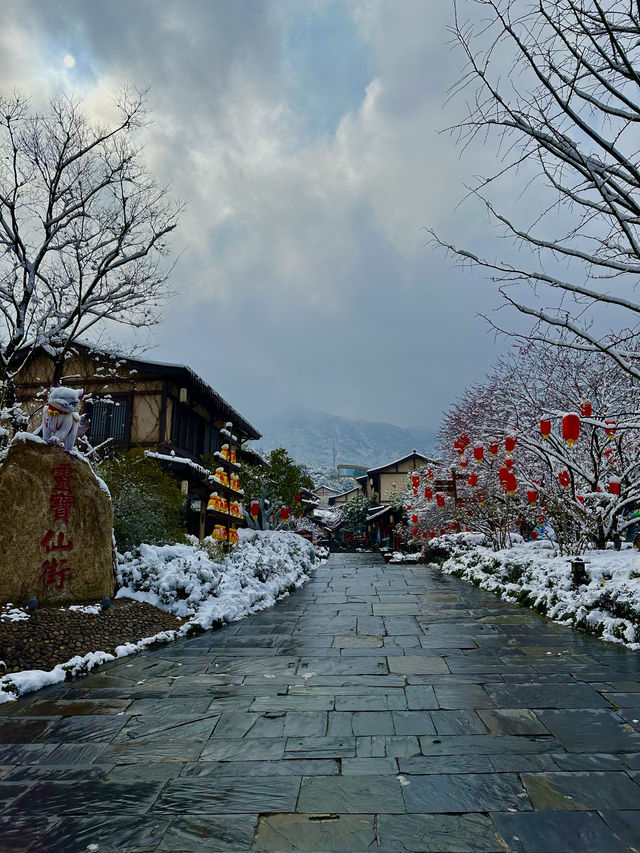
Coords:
pixel 56 529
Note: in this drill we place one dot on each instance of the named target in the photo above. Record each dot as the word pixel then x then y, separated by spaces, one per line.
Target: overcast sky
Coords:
pixel 306 137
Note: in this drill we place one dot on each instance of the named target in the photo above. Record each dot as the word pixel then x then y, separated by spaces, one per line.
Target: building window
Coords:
pixel 187 430
pixel 109 419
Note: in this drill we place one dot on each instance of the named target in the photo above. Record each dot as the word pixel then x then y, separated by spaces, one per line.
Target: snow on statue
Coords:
pixel 61 419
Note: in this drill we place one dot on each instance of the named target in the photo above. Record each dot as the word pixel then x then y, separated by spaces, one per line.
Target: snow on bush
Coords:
pixel 188 580
pixel 196 582
pixel 531 574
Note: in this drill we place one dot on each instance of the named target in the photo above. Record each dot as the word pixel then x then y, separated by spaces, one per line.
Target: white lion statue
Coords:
pixel 61 419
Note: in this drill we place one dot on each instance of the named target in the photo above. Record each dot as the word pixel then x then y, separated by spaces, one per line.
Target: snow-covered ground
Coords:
pixel 607 603
pixel 187 581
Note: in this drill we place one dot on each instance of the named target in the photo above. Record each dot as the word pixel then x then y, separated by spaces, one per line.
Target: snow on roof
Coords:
pixel 378 511
pixel 201 471
pixel 398 461
pixel 328 488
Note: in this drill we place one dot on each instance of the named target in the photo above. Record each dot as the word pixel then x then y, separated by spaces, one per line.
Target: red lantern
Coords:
pixel 510 443
pixel 610 427
pixel 452 525
pixel 614 485
pixel 571 428
pixel 480 498
pixel 502 474
pixel 464 440
pixel 541 519
pixel 517 522
pixel 510 483
pixel 585 409
pixel 580 498
pixel 284 513
pixel 458 446
pixel 545 427
pixel 408 507
pixel 532 496
pixel 255 509
pixel 464 462
pixel 415 479
pixel 428 493
pixel 440 500
pixel 493 446
pixel 509 463
pixel 424 534
pixel 473 479
pixel 428 474
pixel 478 453
pixel 564 478
pixel 414 518
pixel 534 535
pixel 442 531
pixel 432 534
pixel 414 532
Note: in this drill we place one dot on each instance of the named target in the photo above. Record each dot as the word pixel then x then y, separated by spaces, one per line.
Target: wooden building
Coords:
pixel 167 409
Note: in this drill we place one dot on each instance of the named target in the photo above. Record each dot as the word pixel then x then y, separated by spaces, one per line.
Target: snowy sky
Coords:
pixel 306 137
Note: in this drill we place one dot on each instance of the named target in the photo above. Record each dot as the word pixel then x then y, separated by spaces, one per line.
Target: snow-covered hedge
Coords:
pixel 188 581
pixel 530 574
pixel 193 583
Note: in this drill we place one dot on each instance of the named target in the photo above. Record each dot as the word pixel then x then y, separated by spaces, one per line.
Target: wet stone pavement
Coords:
pixel 378 708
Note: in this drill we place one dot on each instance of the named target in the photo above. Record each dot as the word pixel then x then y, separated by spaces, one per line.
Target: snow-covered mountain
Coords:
pixel 318 440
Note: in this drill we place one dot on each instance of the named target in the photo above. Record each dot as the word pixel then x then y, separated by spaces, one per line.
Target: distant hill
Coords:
pixel 322 441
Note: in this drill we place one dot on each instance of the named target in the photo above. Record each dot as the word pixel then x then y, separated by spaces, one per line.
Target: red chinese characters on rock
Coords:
pixel 55 569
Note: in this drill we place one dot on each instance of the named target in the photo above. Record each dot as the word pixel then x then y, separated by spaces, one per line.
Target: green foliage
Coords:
pixel 281 479
pixel 354 515
pixel 147 502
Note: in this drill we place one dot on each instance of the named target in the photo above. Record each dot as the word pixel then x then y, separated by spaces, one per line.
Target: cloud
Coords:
pixel 308 144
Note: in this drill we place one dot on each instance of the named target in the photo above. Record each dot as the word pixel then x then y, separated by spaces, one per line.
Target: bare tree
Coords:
pixel 566 109
pixel 83 229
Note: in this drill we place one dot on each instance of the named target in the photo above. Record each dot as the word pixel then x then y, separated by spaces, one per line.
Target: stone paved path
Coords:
pixel 379 708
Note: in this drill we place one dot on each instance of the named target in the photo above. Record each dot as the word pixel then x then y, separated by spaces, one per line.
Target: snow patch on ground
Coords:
pixel 607 603
pixel 9 613
pixel 191 583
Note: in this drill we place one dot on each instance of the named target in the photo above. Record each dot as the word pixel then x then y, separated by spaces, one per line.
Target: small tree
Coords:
pixel 280 481
pixel 354 515
pixel 83 230
pixel 147 502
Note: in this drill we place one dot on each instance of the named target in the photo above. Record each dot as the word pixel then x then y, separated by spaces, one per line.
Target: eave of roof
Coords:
pixel 398 461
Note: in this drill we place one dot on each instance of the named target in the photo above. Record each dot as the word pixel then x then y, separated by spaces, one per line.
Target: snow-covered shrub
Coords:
pixel 531 575
pixel 188 581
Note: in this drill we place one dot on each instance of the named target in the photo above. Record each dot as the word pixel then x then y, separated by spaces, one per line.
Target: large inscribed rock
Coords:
pixel 56 523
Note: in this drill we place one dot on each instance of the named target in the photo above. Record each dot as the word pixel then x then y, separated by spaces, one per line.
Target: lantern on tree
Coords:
pixel 428 493
pixel 414 532
pixel 502 474
pixel 428 474
pixel 458 446
pixel 254 509
pixel 424 534
pixel 432 534
pixel 510 443
pixel 585 409
pixel 284 513
pixel 414 518
pixel 571 428
pixel 480 498
pixel 415 479
pixel 532 496
pixel 493 446
pixel 478 453
pixel 452 526
pixel 534 535
pixel 614 485
pixel 440 499
pixel 580 498
pixel 610 427
pixel 517 522
pixel 442 531
pixel 464 438
pixel 464 462
pixel 545 427
pixel 509 463
pixel 564 478
pixel 510 483
pixel 473 479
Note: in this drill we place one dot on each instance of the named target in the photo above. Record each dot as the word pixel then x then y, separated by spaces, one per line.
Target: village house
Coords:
pixel 166 409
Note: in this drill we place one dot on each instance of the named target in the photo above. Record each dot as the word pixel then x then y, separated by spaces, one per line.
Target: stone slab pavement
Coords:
pixel 386 708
